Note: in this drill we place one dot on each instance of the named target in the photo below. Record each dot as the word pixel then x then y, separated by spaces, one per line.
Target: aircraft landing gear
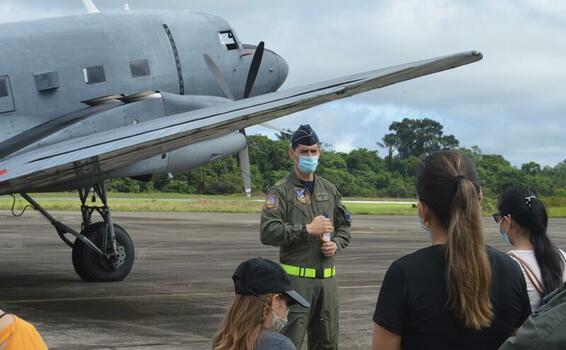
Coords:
pixel 102 251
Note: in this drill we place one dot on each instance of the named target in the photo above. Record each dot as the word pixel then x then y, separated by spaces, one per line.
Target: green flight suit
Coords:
pixel 288 208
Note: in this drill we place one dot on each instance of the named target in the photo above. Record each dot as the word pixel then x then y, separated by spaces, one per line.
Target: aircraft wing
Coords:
pixel 93 156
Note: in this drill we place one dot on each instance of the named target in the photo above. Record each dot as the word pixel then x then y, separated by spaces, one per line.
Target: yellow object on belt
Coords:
pixel 308 272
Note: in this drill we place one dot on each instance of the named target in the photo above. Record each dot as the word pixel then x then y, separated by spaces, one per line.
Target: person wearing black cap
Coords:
pixel 303 215
pixel 259 310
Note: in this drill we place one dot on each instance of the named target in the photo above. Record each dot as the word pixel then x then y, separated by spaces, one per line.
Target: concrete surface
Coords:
pixel 180 284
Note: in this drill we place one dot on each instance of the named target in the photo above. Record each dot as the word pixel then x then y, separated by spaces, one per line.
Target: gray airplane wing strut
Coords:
pixel 93 156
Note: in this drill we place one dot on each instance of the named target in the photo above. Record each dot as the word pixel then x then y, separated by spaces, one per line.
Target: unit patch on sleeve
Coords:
pixel 271 202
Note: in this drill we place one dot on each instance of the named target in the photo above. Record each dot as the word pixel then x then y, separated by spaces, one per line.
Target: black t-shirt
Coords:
pixel 412 303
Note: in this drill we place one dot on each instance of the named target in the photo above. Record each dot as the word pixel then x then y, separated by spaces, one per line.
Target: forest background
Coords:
pixel 387 172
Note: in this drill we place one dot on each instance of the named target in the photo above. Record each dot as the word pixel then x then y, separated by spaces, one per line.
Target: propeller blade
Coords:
pixel 244 160
pixel 273 127
pixel 217 74
pixel 254 69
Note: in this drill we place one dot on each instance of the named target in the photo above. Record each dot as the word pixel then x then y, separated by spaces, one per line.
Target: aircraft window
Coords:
pixel 139 68
pixel 46 81
pixel 3 88
pixel 94 74
pixel 229 39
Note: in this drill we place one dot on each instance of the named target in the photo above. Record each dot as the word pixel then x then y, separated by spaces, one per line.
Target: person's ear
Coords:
pixel 507 223
pixel 292 154
pixel 424 212
pixel 277 302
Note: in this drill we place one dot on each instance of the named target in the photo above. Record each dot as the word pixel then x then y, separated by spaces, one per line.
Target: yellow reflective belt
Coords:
pixel 308 272
pixel 329 272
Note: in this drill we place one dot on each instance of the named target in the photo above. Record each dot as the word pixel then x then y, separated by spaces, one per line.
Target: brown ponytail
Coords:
pixel 449 185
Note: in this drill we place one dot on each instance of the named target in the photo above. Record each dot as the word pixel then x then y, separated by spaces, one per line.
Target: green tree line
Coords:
pixel 361 172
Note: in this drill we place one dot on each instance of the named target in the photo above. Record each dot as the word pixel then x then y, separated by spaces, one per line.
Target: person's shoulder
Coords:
pixel 501 261
pixel 6 321
pixel 279 186
pixel 433 250
pixel 282 181
pixel 329 185
pixel 418 258
pixel 274 340
pixel 497 255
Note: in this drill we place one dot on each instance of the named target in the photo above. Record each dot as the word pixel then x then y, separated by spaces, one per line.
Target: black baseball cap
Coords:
pixel 260 276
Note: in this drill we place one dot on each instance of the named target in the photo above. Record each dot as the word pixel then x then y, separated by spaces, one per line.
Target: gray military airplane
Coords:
pixel 91 97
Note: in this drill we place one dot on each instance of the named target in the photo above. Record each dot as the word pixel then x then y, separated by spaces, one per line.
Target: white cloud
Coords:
pixel 514 95
pixel 12 11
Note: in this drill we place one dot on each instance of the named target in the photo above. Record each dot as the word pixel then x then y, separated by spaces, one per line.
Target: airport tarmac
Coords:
pixel 180 285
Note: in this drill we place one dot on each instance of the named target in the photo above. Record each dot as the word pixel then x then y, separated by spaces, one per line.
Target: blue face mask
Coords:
pixel 307 165
pixel 504 237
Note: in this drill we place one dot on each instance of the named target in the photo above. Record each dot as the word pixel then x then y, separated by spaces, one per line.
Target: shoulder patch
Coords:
pixel 271 202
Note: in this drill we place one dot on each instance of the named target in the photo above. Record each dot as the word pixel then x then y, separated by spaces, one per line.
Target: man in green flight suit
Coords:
pixel 303 215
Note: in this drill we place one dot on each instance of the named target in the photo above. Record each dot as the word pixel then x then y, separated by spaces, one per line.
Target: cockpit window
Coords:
pixel 228 39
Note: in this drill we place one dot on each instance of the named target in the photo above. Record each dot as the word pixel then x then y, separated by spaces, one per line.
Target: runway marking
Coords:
pixel 145 296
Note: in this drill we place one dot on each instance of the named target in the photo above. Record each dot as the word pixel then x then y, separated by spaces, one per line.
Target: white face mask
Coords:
pixel 277 323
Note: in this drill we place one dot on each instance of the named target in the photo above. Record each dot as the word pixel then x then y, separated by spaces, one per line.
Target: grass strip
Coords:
pixel 200 203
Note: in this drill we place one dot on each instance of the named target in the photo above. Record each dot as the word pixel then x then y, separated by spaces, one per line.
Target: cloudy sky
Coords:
pixel 513 102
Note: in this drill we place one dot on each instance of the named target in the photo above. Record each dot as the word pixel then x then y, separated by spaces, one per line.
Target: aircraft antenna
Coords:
pixel 126 7
pixel 90 6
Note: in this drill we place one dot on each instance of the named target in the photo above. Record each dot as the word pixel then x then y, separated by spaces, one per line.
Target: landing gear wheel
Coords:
pixel 92 267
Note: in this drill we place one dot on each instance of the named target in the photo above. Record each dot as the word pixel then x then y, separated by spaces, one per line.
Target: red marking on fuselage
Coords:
pixel 3 172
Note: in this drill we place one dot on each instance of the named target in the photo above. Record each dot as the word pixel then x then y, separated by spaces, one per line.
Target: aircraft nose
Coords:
pixel 282 68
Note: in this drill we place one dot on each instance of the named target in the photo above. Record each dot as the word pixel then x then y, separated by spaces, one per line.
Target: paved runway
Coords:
pixel 180 285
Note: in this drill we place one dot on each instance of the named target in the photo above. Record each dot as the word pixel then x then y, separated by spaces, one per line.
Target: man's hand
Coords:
pixel 328 249
pixel 320 225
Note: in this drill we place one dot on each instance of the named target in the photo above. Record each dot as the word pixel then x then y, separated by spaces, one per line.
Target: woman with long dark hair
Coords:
pixel 457 293
pixel 523 222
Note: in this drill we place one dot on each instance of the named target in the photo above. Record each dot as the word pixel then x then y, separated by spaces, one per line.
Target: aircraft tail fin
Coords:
pixel 90 6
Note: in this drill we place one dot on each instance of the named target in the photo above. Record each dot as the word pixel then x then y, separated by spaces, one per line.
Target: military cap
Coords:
pixel 304 135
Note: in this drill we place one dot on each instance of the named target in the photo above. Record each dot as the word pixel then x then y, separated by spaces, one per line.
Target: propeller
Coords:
pixel 217 74
pixel 254 69
pixel 243 155
pixel 245 168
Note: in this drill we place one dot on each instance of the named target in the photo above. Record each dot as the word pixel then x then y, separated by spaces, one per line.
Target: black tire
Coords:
pixel 77 262
pixel 91 267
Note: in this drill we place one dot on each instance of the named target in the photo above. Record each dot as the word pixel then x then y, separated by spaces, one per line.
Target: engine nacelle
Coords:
pixel 186 158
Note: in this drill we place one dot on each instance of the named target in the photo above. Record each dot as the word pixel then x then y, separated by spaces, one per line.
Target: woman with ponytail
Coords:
pixel 523 221
pixel 457 293
pixel 259 310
